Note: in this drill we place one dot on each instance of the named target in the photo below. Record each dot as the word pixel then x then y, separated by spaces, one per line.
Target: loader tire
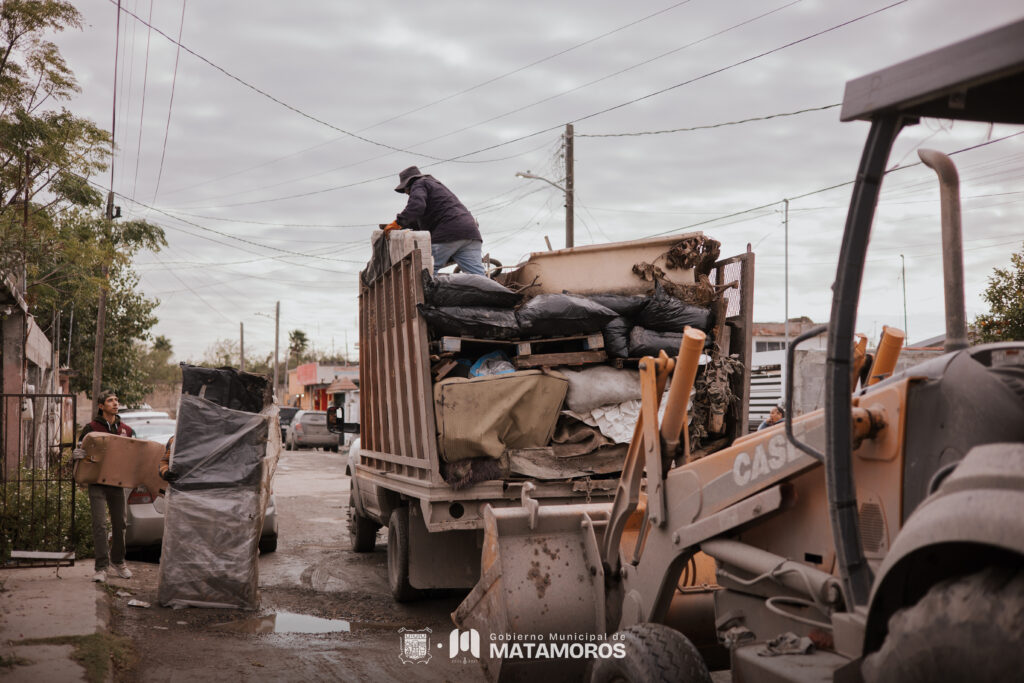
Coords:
pixel 655 653
pixel 964 629
pixel 362 531
pixel 398 557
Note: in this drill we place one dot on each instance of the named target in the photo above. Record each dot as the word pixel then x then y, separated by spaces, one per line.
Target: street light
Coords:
pixel 568 203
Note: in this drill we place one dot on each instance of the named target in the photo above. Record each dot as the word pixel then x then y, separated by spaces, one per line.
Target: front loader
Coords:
pixel 880 539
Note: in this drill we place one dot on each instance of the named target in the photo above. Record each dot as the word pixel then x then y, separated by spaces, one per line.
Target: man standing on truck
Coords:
pixel 454 233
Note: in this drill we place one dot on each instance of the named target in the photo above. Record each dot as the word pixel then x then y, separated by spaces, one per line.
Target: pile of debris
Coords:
pixel 541 384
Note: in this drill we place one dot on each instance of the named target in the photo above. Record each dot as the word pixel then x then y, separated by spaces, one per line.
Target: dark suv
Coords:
pixel 284 416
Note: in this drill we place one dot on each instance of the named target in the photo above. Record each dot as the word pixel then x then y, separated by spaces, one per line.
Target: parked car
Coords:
pixel 308 429
pixel 131 415
pixel 284 417
pixel 145 519
pixel 157 427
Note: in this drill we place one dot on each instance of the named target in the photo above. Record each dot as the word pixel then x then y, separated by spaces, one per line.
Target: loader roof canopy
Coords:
pixel 961 81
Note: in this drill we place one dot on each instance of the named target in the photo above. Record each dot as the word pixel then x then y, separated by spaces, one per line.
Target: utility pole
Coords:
pixel 785 223
pixel 277 333
pixel 241 346
pixel 569 187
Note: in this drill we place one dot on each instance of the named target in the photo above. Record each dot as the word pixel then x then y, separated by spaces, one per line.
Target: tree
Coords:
pixel 46 154
pixel 51 229
pixel 1005 297
pixel 156 362
pixel 298 343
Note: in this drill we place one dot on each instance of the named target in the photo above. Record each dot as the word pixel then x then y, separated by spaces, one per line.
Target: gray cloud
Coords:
pixel 357 65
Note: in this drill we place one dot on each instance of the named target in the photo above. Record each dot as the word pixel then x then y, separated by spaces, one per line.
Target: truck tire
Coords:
pixel 362 531
pixel 964 629
pixel 655 653
pixel 398 556
pixel 268 544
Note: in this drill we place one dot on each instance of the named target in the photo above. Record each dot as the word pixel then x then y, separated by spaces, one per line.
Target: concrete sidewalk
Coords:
pixel 42 603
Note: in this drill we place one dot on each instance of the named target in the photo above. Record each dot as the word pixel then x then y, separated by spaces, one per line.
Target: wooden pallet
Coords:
pixel 535 353
pixel 528 347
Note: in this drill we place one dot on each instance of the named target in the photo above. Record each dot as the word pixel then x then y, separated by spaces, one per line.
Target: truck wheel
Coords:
pixel 398 556
pixel 268 544
pixel 654 653
pixel 362 531
pixel 963 629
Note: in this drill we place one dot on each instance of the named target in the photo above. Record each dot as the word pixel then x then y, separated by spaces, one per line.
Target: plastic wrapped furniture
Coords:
pixel 225 460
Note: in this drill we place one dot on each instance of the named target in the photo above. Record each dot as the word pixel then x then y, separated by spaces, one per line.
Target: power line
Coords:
pixel 170 105
pixel 530 65
pixel 449 97
pixel 588 116
pixel 743 61
pixel 142 109
pixel 826 189
pixel 272 98
pixel 706 127
pixel 611 75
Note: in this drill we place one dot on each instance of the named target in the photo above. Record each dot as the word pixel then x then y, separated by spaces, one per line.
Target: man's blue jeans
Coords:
pixel 465 253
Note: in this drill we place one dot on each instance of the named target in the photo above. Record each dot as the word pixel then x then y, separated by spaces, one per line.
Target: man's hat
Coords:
pixel 407 176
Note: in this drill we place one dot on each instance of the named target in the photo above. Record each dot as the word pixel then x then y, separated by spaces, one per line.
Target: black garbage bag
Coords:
pixel 466 289
pixel 665 313
pixel 471 321
pixel 616 337
pixel 227 387
pixel 644 342
pixel 379 263
pixel 628 305
pixel 561 315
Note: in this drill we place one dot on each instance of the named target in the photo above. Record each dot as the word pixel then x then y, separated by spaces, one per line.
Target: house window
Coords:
pixel 770 346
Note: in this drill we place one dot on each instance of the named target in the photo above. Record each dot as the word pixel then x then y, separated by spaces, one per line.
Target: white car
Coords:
pixel 145 519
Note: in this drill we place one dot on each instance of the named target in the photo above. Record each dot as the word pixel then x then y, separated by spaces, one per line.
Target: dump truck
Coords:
pixel 880 539
pixel 438 447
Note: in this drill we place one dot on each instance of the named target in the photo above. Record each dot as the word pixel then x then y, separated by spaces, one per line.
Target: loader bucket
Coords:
pixel 541 578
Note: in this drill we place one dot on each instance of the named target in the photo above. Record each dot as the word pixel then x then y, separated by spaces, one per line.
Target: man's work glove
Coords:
pixel 78 454
pixel 393 225
pixel 170 476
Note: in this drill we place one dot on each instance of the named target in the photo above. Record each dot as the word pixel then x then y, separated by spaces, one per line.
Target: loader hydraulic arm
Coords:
pixel 652 449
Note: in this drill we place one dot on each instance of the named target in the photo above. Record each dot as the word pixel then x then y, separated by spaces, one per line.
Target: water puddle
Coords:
pixel 286 622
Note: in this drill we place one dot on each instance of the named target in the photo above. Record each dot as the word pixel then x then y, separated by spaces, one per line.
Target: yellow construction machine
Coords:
pixel 880 539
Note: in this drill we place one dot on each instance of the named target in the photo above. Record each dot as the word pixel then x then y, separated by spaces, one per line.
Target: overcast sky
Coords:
pixel 289 123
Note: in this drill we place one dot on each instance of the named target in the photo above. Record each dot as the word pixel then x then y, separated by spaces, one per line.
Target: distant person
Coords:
pixel 103 498
pixel 454 233
pixel 777 415
pixel 165 471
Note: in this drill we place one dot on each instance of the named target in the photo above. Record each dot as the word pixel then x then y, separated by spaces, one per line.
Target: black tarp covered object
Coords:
pixel 225 458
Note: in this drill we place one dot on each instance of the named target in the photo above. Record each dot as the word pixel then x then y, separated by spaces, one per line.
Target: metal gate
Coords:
pixel 38 520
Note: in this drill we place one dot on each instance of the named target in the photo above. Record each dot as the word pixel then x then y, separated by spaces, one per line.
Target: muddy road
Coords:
pixel 326 614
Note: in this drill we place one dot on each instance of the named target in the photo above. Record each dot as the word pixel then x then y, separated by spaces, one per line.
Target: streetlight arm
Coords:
pixel 520 174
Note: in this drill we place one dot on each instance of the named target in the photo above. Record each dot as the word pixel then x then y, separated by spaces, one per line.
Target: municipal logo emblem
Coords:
pixel 415 645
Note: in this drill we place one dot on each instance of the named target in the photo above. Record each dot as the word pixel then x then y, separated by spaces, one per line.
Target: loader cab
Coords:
pixel 979 79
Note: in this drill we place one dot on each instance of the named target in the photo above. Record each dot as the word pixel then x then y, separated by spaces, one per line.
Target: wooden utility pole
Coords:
pixel 569 184
pixel 241 346
pixel 277 334
pixel 101 321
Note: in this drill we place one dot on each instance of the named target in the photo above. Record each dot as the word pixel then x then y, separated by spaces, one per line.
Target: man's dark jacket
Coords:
pixel 433 207
pixel 99 424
